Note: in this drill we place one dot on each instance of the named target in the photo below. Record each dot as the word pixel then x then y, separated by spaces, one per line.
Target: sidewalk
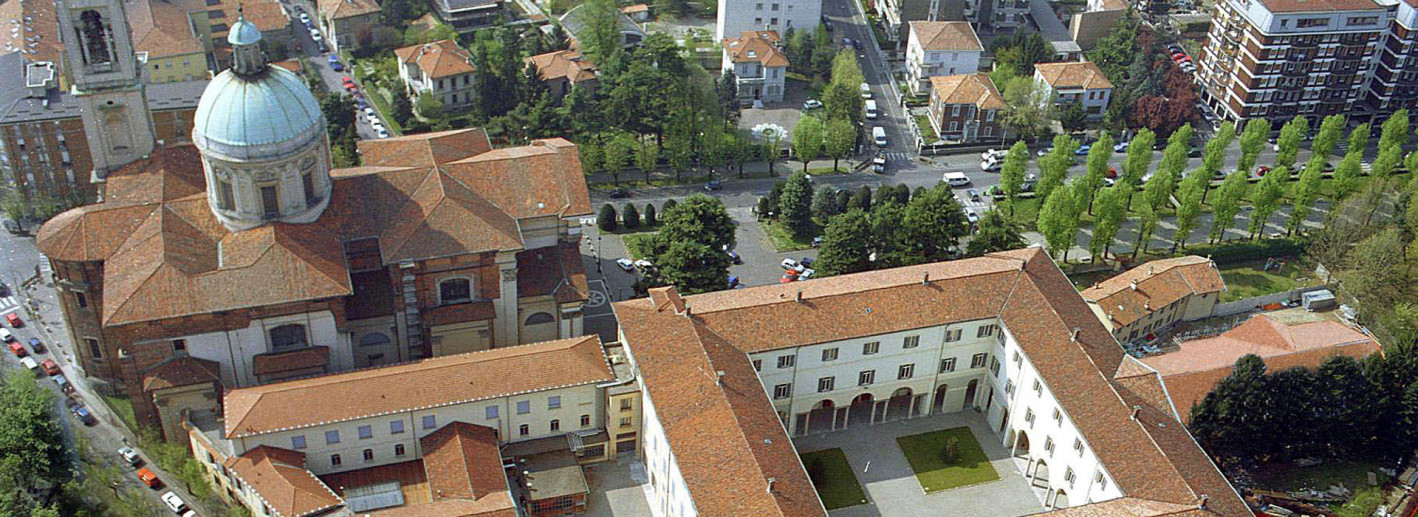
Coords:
pixel 781 169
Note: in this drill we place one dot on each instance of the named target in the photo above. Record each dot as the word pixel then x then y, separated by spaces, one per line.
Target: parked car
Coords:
pixel 190 513
pixel 37 346
pixel 789 264
pixel 369 113
pixel 62 383
pixel 30 364
pixel 1120 147
pixel 130 456
pixel 973 194
pixel 315 35
pixel 807 261
pixel 857 44
pixel 806 274
pixel 1112 173
pixel 644 265
pixel 620 193
pixel 970 216
pixel 335 63
pixel 866 90
pixel 816 241
pixel 6 336
pixel 1044 152
pixel 713 185
pixel 348 83
pixel 14 320
pixel 991 165
pixel 878 163
pixel 993 154
pixel 1260 171
pixel 304 18
pixel 174 503
pixel 787 278
pixel 625 264
pixel 82 413
pixel 812 104
pixel 381 132
pixel 846 42
pixel 18 349
pixel 735 258
pixel 51 368
pixel 149 478
pixel 1082 150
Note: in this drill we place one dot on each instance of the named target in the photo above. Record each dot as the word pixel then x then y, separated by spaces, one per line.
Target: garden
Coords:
pixel 832 476
pixel 947 459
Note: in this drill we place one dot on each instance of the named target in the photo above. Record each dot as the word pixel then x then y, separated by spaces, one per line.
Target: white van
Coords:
pixel 871 110
pixel 956 179
pixel 878 135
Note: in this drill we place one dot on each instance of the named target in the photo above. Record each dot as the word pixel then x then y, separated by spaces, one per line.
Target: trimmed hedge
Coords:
pixel 1234 252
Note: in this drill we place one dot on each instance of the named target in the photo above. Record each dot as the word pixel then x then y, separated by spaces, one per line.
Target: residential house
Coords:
pixel 469 15
pixel 966 108
pixel 740 16
pixel 563 70
pixel 896 15
pixel 169 47
pixel 630 33
pixel 760 68
pixel 1080 83
pixel 941 48
pixel 1151 297
pixel 1193 370
pixel 639 13
pixel 1095 21
pixel 728 378
pixel 442 69
pixel 343 21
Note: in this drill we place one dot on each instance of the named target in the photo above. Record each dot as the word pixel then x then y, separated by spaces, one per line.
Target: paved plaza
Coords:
pixel 617 489
pixel 891 486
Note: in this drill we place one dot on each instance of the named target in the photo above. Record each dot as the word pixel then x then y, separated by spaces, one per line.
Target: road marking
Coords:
pixel 12 309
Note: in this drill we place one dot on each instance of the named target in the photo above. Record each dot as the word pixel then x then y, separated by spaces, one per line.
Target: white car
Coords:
pixel 6 336
pixel 644 265
pixel 866 91
pixel 174 503
pixel 190 513
pixel 625 264
pixel 129 455
pixel 970 216
pixel 790 264
pixel 29 363
pixel 993 154
pixel 806 274
pixel 381 132
pixel 369 114
pixel 812 104
pixel 990 165
pixel 315 35
pixel 304 18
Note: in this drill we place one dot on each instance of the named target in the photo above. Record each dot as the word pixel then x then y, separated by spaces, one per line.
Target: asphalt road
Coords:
pixel 848 21
pixel 319 59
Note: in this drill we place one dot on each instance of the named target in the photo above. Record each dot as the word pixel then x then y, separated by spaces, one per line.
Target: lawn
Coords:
pixel 838 487
pixel 1246 279
pixel 1026 212
pixel 638 244
pixel 923 451
pixel 782 239
pixel 924 124
pixel 122 407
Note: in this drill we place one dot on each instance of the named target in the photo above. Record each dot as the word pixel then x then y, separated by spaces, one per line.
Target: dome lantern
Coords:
pixel 245 40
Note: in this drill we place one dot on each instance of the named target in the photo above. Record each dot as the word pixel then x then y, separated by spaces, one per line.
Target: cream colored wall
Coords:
pixel 460 338
pixel 179 67
pixel 1200 306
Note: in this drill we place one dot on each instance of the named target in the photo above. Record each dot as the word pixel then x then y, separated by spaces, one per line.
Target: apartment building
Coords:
pixel 941 48
pixel 760 68
pixel 1080 83
pixel 1151 297
pixel 442 69
pixel 896 15
pixel 468 15
pixel 740 16
pixel 1394 84
pixel 728 377
pixel 169 47
pixel 1281 58
pixel 966 108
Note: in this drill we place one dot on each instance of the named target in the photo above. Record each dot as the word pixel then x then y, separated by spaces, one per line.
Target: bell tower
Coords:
pixel 107 83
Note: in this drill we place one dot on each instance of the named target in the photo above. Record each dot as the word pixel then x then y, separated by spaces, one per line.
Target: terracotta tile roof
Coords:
pixel 161 28
pixel 1150 457
pixel 443 218
pixel 278 362
pixel 543 178
pixel 636 8
pixel 496 505
pixel 559 272
pixel 437 382
pixel 280 480
pixel 976 89
pixel 32 29
pixel 1159 283
pixel 1320 6
pixel 564 64
pixel 756 47
pixel 441 58
pixel 958 36
pixel 1073 75
pixel 424 149
pixel 181 371
pixel 1144 383
pixel 1122 507
pixel 1191 372
pixel 336 9
pixel 268 15
pixel 462 461
pixel 293 65
pixel 459 313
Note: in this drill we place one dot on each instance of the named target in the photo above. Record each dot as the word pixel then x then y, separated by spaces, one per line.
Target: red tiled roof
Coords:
pixel 542 178
pixel 1073 74
pixel 308 357
pixel 976 89
pixel 441 381
pixel 1159 283
pixel 1320 6
pixel 728 440
pixel 425 149
pixel 1191 372
pixel 161 28
pixel 441 58
pixel 958 36
pixel 756 46
pixel 181 371
pixel 459 313
pixel 336 9
pixel 558 272
pixel 564 64
pixel 463 462
pixel 279 478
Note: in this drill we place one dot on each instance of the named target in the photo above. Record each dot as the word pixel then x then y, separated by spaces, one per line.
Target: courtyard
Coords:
pixel 892 486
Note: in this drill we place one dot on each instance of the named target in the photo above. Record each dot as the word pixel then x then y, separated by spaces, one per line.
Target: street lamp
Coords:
pixel 598 252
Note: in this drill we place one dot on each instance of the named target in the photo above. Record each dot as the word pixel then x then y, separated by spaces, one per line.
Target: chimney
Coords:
pixel 771 481
pixel 1147 305
pixel 926 278
pixel 719 378
pixel 1202 503
pixel 1134 285
pixel 1136 411
pixel 1074 338
pixel 1149 270
pixel 800 297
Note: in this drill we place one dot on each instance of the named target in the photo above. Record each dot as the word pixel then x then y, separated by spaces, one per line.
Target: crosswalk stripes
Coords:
pixel 44 265
pixel 8 301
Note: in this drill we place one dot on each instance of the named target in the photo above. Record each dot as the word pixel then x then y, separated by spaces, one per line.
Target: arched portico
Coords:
pixel 1060 499
pixel 938 401
pixel 901 405
pixel 1039 478
pixel 862 410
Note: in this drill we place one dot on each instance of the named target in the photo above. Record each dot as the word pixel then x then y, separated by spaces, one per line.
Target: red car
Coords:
pixel 50 367
pixel 1260 171
pixel 19 349
pixel 14 320
pixel 1112 173
pixel 349 83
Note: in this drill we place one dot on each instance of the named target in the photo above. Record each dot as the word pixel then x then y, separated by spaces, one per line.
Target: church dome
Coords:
pixel 243 33
pixel 257 117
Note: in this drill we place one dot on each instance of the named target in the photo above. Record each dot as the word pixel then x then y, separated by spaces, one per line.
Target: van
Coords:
pixel 878 135
pixel 871 110
pixel 956 179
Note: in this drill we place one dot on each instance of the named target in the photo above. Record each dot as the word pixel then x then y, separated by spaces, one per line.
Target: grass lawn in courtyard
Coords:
pixel 782 239
pixel 836 485
pixel 924 452
pixel 1247 279
pixel 638 244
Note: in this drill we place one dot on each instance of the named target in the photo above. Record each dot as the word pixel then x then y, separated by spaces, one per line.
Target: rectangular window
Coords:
pixel 490 412
pixel 1029 415
pixel 1058 415
pixel 626 404
pixel 985 331
pixel 824 384
pixel 297 442
pixel 911 342
pixel 1078 445
pixel 396 427
pixel 585 420
pixel 866 378
pixel 1038 387
pixel 366 432
pixel 524 407
pixel 787 361
pixel 94 350
pixel 625 421
pixel 977 361
pixel 368 455
pixel 1068 476
pixel 270 202
pixel 226 200
pixel 398 449
pixel 774 21
pixel 1049 445
pixel 554 402
pixel 430 422
pixel 555 425
pixel 906 371
pixel 335 460
pixel 309 185
pixel 782 391
pixel 871 347
pixel 179 345
pixel 332 437
pixel 994 366
pixel 81 300
pixel 952 335
pixel 829 354
pixel 947 365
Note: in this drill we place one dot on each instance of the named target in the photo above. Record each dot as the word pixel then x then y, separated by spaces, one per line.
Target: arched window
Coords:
pixel 374 339
pixel 455 290
pixel 539 318
pixel 288 337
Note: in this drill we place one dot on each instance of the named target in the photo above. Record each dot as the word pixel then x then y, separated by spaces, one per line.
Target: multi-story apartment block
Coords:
pixel 740 16
pixel 442 69
pixel 468 15
pixel 966 107
pixel 728 377
pixel 1394 84
pixel 1281 58
pixel 941 48
pixel 896 15
pixel 1080 83
pixel 1154 296
pixel 998 14
pixel 760 68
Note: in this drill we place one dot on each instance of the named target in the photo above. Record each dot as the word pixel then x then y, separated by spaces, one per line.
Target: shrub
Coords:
pixel 951 452
pixel 1231 253
pixel 605 220
pixel 650 219
pixel 817 471
pixel 630 216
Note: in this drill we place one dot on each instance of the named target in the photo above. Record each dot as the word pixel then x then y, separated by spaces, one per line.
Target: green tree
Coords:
pixel 824 205
pixel 861 199
pixel 1111 207
pixel 1053 167
pixel 698 218
pixel 1189 195
pixel 630 217
pixel 693 267
pixel 1346 175
pixel 846 244
pixel 1096 170
pixel 678 154
pixel 795 205
pixel 32 457
pixel 1053 221
pixel 1388 160
pixel 1147 220
pixel 1138 161
pixel 808 139
pixel 1304 193
pixel 1331 130
pixel 1227 204
pixel 1252 141
pixel 1266 198
pixel 647 157
pixel 1226 421
pixel 1011 177
pixel 1214 153
pixel 1291 134
pixel 1026 106
pixel 1174 157
pixel 650 217
pixel 601 38
pixel 997 233
pixel 892 240
pixel 1394 132
pixel 429 106
pixel 618 152
pixel 841 139
pixel 606 218
pixel 935 222
pixel 1376 279
pixel 842 99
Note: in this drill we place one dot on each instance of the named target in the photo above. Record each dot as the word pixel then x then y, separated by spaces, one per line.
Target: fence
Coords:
pixel 1248 304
